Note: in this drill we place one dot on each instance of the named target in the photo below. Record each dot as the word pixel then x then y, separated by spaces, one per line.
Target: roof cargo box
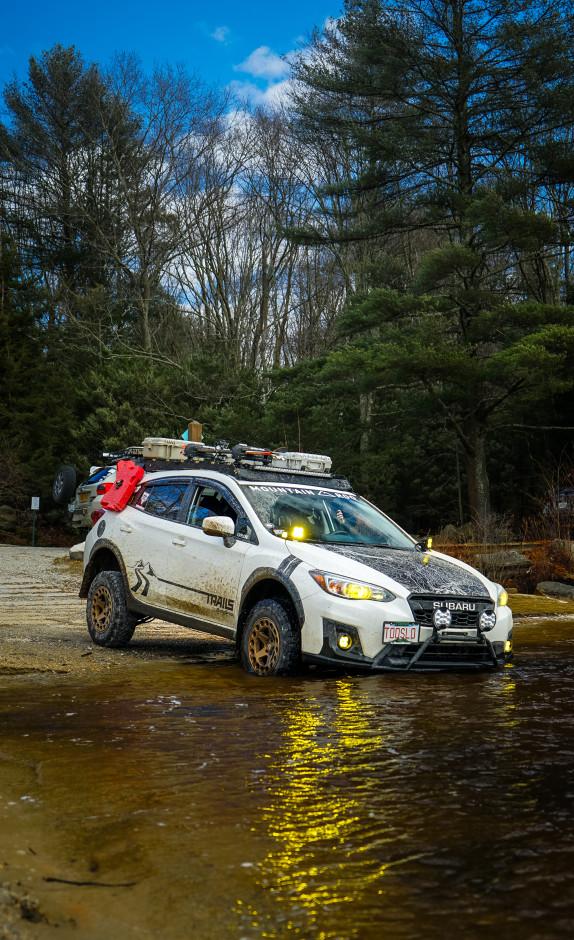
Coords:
pixel 293 460
pixel 166 448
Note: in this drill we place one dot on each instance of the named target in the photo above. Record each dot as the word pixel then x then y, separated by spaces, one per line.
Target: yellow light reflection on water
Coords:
pixel 328 846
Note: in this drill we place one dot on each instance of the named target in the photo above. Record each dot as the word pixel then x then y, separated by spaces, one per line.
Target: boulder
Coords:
pixel 77 552
pixel 450 533
pixel 556 589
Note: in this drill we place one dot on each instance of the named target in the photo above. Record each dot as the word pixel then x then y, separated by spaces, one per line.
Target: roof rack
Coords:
pixel 243 461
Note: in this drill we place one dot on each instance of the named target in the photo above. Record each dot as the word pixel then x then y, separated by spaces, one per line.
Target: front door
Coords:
pixel 205 574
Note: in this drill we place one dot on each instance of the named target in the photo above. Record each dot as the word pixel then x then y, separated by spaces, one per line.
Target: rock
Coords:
pixel 77 552
pixel 556 589
pixel 450 533
pixel 502 561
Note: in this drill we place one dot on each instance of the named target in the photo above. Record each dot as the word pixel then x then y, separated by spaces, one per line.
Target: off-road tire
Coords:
pixel 271 641
pixel 110 623
pixel 64 484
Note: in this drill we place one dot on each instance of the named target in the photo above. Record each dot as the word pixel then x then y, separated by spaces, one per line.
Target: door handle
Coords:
pixel 124 527
pixel 178 542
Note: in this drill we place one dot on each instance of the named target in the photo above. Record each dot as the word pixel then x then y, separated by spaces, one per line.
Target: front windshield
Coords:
pixel 315 515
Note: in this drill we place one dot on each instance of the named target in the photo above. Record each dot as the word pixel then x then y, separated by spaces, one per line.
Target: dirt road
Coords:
pixel 43 624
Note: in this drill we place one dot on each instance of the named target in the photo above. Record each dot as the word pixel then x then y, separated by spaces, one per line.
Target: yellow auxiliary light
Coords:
pixel 345 641
pixel 508 646
pixel 502 599
pixel 284 534
pixel 298 532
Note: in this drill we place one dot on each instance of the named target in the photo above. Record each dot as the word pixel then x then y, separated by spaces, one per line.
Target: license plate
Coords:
pixel 401 633
pixel 83 497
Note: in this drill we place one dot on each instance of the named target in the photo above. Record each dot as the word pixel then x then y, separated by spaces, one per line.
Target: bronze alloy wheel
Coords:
pixel 101 608
pixel 264 646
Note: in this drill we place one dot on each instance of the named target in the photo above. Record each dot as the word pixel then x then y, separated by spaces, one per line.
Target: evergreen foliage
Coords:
pixel 449 109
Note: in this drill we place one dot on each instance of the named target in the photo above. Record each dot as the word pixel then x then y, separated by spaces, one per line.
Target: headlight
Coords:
pixel 352 590
pixel 502 599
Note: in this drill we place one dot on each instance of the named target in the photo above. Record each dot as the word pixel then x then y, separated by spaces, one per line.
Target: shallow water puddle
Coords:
pixel 192 801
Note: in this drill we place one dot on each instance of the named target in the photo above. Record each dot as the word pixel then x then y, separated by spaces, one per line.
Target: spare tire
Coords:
pixel 64 484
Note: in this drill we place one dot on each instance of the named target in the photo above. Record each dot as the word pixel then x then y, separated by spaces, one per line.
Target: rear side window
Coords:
pixel 162 499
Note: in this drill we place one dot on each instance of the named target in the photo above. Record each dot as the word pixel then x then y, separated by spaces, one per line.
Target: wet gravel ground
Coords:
pixel 43 622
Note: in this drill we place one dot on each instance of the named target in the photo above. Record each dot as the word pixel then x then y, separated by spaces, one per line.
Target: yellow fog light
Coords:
pixel 298 532
pixel 345 641
pixel 358 592
pixel 502 599
pixel 508 646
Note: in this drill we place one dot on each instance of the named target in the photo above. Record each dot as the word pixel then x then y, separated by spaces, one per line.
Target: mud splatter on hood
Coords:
pixel 408 568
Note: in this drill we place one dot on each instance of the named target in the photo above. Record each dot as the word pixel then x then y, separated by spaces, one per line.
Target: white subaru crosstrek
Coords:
pixel 292 571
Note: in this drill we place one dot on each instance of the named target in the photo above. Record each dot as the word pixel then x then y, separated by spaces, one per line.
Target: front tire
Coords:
pixel 110 623
pixel 271 643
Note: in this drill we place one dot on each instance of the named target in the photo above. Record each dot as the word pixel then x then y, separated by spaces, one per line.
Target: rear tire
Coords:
pixel 64 484
pixel 271 642
pixel 110 623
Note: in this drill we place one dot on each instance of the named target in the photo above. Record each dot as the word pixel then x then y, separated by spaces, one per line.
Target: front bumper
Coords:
pixel 442 649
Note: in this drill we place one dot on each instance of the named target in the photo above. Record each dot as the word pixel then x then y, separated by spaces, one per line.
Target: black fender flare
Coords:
pixel 282 577
pixel 89 573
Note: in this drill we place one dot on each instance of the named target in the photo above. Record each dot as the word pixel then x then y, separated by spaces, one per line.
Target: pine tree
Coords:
pixel 461 111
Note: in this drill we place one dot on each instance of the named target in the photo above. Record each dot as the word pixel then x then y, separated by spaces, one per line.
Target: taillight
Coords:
pixel 97 514
pixel 101 490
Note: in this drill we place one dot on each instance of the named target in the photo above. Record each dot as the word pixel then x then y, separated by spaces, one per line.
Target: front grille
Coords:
pixel 422 606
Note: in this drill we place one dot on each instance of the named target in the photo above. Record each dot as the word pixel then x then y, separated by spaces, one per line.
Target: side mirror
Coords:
pixel 222 526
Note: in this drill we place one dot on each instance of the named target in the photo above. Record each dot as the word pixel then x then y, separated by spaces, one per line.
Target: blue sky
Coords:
pixel 224 42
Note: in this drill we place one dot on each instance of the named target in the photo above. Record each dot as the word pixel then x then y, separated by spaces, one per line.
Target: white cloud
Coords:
pixel 222 34
pixel 264 63
pixel 249 92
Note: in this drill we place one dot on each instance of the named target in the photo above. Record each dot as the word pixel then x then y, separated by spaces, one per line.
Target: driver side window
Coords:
pixel 207 501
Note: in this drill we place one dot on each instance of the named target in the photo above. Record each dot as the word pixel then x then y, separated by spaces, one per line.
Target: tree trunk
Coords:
pixel 366 408
pixel 477 477
pixel 145 304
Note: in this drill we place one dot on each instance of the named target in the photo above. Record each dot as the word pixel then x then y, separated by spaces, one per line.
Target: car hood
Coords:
pixel 413 571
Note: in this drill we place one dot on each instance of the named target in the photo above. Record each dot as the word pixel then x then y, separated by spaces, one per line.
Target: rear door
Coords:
pixel 205 574
pixel 147 533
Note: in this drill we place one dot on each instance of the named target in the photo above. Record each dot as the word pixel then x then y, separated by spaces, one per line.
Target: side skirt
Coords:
pixel 182 620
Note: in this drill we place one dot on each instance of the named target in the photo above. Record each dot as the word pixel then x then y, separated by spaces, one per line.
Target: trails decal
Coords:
pixel 224 603
pixel 142 579
pixel 144 571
